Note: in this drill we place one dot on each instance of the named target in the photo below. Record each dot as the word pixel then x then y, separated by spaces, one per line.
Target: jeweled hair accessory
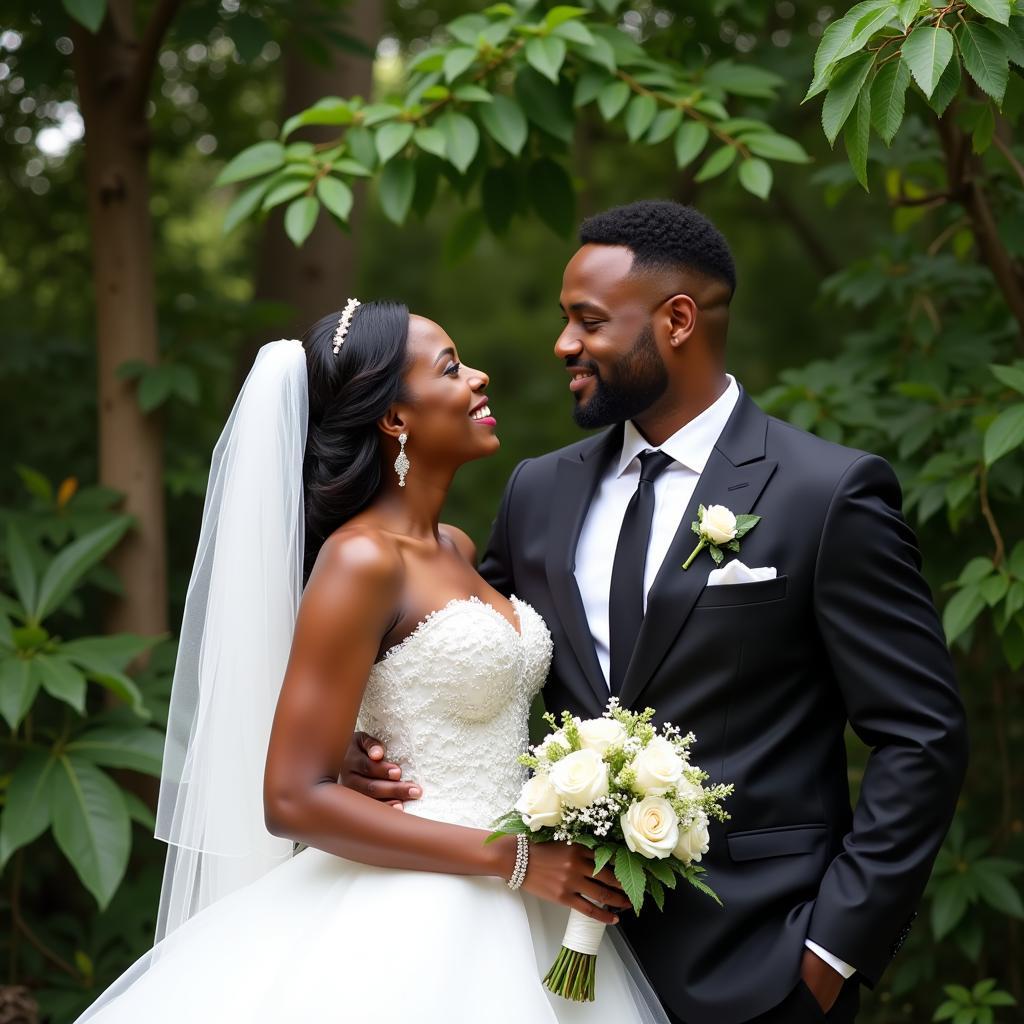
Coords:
pixel 344 323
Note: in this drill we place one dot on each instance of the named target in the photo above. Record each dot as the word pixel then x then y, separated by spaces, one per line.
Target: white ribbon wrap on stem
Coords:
pixel 583 934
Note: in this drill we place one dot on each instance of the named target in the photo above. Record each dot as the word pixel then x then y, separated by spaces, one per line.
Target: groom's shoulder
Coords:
pixel 817 461
pixel 541 469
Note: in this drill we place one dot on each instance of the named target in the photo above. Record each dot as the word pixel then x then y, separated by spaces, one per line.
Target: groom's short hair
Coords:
pixel 664 235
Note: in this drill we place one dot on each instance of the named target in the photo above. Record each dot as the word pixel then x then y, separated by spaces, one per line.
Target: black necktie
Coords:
pixel 626 599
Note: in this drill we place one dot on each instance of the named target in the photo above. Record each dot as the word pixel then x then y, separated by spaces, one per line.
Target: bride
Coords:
pixel 327 597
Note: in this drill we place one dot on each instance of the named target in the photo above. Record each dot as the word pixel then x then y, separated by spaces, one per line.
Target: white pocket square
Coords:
pixel 737 572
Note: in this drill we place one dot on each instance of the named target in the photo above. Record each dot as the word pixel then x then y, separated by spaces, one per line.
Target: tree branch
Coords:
pixel 145 60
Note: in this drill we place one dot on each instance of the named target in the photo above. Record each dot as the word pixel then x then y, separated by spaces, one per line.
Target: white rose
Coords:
pixel 600 733
pixel 657 767
pixel 580 778
pixel 650 827
pixel 719 524
pixel 693 841
pixel 544 747
pixel 688 790
pixel 539 804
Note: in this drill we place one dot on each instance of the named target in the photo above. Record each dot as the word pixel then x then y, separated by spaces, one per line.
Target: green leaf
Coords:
pixel 469 93
pixel 117 650
pixel 588 85
pixel 845 37
pixel 243 206
pixel 961 610
pixel 138 811
pixel 280 193
pixel 657 892
pixel 73 562
pixel 981 137
pixel 889 98
pixel 300 219
pixel 948 87
pixel 777 147
pixel 756 177
pixel 994 589
pixel 690 141
pixel 985 58
pixel 392 138
pixel 612 98
pixel 331 110
pixel 430 140
pixel 629 870
pixel 119 746
pixel 662 871
pixel 639 115
pixel 89 13
pixel 545 105
pixel 665 124
pixel 105 672
pixel 458 60
pixel 551 194
pixel 601 53
pixel 506 123
pixel 19 684
pixel 91 825
pixel 843 92
pixel 602 855
pixel 397 183
pixel 574 32
pixel 721 160
pixel 908 11
pixel 1011 376
pixel 561 14
pixel 1013 39
pixel 461 137
pixel 1005 433
pixel 997 10
pixel 362 146
pixel 857 135
pixel 259 159
pixel 997 891
pixel 948 906
pixel 375 113
pixel 35 483
pixel 336 196
pixel 62 680
pixel 926 52
pixel 546 54
pixel 23 575
pixel 27 808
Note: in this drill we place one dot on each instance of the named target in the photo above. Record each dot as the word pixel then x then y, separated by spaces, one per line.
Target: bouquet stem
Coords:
pixel 572 975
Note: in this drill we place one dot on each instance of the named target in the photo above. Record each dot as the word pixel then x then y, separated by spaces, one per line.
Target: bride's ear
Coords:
pixel 393 422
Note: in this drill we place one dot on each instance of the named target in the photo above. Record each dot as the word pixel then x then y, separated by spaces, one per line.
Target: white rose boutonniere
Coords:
pixel 717 527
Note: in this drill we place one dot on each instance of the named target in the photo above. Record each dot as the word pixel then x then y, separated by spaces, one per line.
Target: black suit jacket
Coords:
pixel 767 675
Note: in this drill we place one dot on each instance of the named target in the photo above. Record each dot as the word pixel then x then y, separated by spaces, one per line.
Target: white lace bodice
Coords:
pixel 451 705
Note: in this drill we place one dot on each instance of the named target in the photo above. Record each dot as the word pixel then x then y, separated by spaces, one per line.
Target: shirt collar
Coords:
pixel 692 444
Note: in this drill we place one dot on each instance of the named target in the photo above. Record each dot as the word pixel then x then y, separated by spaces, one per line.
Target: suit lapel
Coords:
pixel 735 475
pixel 577 479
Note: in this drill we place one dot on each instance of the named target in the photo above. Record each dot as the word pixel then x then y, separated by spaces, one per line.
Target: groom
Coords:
pixel 765 667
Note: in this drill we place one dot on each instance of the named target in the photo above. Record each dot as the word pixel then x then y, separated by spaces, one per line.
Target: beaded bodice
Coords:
pixel 451 705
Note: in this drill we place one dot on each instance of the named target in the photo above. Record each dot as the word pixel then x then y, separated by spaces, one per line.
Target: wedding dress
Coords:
pixel 323 939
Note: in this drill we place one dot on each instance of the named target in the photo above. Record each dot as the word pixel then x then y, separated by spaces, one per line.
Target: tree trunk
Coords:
pixel 321 275
pixel 117 177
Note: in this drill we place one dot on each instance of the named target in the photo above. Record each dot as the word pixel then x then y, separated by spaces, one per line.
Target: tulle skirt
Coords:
pixel 323 939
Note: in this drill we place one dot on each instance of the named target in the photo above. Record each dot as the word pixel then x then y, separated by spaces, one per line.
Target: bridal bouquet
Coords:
pixel 628 791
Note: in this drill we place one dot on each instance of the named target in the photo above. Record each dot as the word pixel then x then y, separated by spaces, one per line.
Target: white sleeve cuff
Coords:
pixel 833 961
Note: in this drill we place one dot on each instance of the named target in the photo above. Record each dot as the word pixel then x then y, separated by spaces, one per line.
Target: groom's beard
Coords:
pixel 640 379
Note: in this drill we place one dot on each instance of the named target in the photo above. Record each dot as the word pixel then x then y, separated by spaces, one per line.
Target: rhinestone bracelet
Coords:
pixel 522 859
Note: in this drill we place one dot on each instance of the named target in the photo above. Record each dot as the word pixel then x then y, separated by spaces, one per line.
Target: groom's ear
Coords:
pixel 682 319
pixel 393 422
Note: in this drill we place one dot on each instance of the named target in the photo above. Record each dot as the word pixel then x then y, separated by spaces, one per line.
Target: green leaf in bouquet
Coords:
pixel 662 871
pixel 691 874
pixel 602 855
pixel 657 892
pixel 590 842
pixel 629 870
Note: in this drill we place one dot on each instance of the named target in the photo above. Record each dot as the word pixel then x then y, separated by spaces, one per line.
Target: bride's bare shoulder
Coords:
pixel 460 540
pixel 359 554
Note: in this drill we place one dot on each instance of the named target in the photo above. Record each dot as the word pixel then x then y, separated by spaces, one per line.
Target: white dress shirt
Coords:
pixel 690 447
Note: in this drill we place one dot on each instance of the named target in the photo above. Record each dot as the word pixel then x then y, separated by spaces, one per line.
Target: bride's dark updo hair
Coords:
pixel 348 394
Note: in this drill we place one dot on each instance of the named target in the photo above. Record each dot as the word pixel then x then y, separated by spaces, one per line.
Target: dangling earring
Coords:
pixel 402 462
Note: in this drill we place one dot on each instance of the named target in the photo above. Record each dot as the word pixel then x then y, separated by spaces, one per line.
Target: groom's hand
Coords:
pixel 821 978
pixel 366 771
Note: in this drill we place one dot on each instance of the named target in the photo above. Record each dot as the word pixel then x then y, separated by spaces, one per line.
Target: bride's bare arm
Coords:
pixel 344 612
